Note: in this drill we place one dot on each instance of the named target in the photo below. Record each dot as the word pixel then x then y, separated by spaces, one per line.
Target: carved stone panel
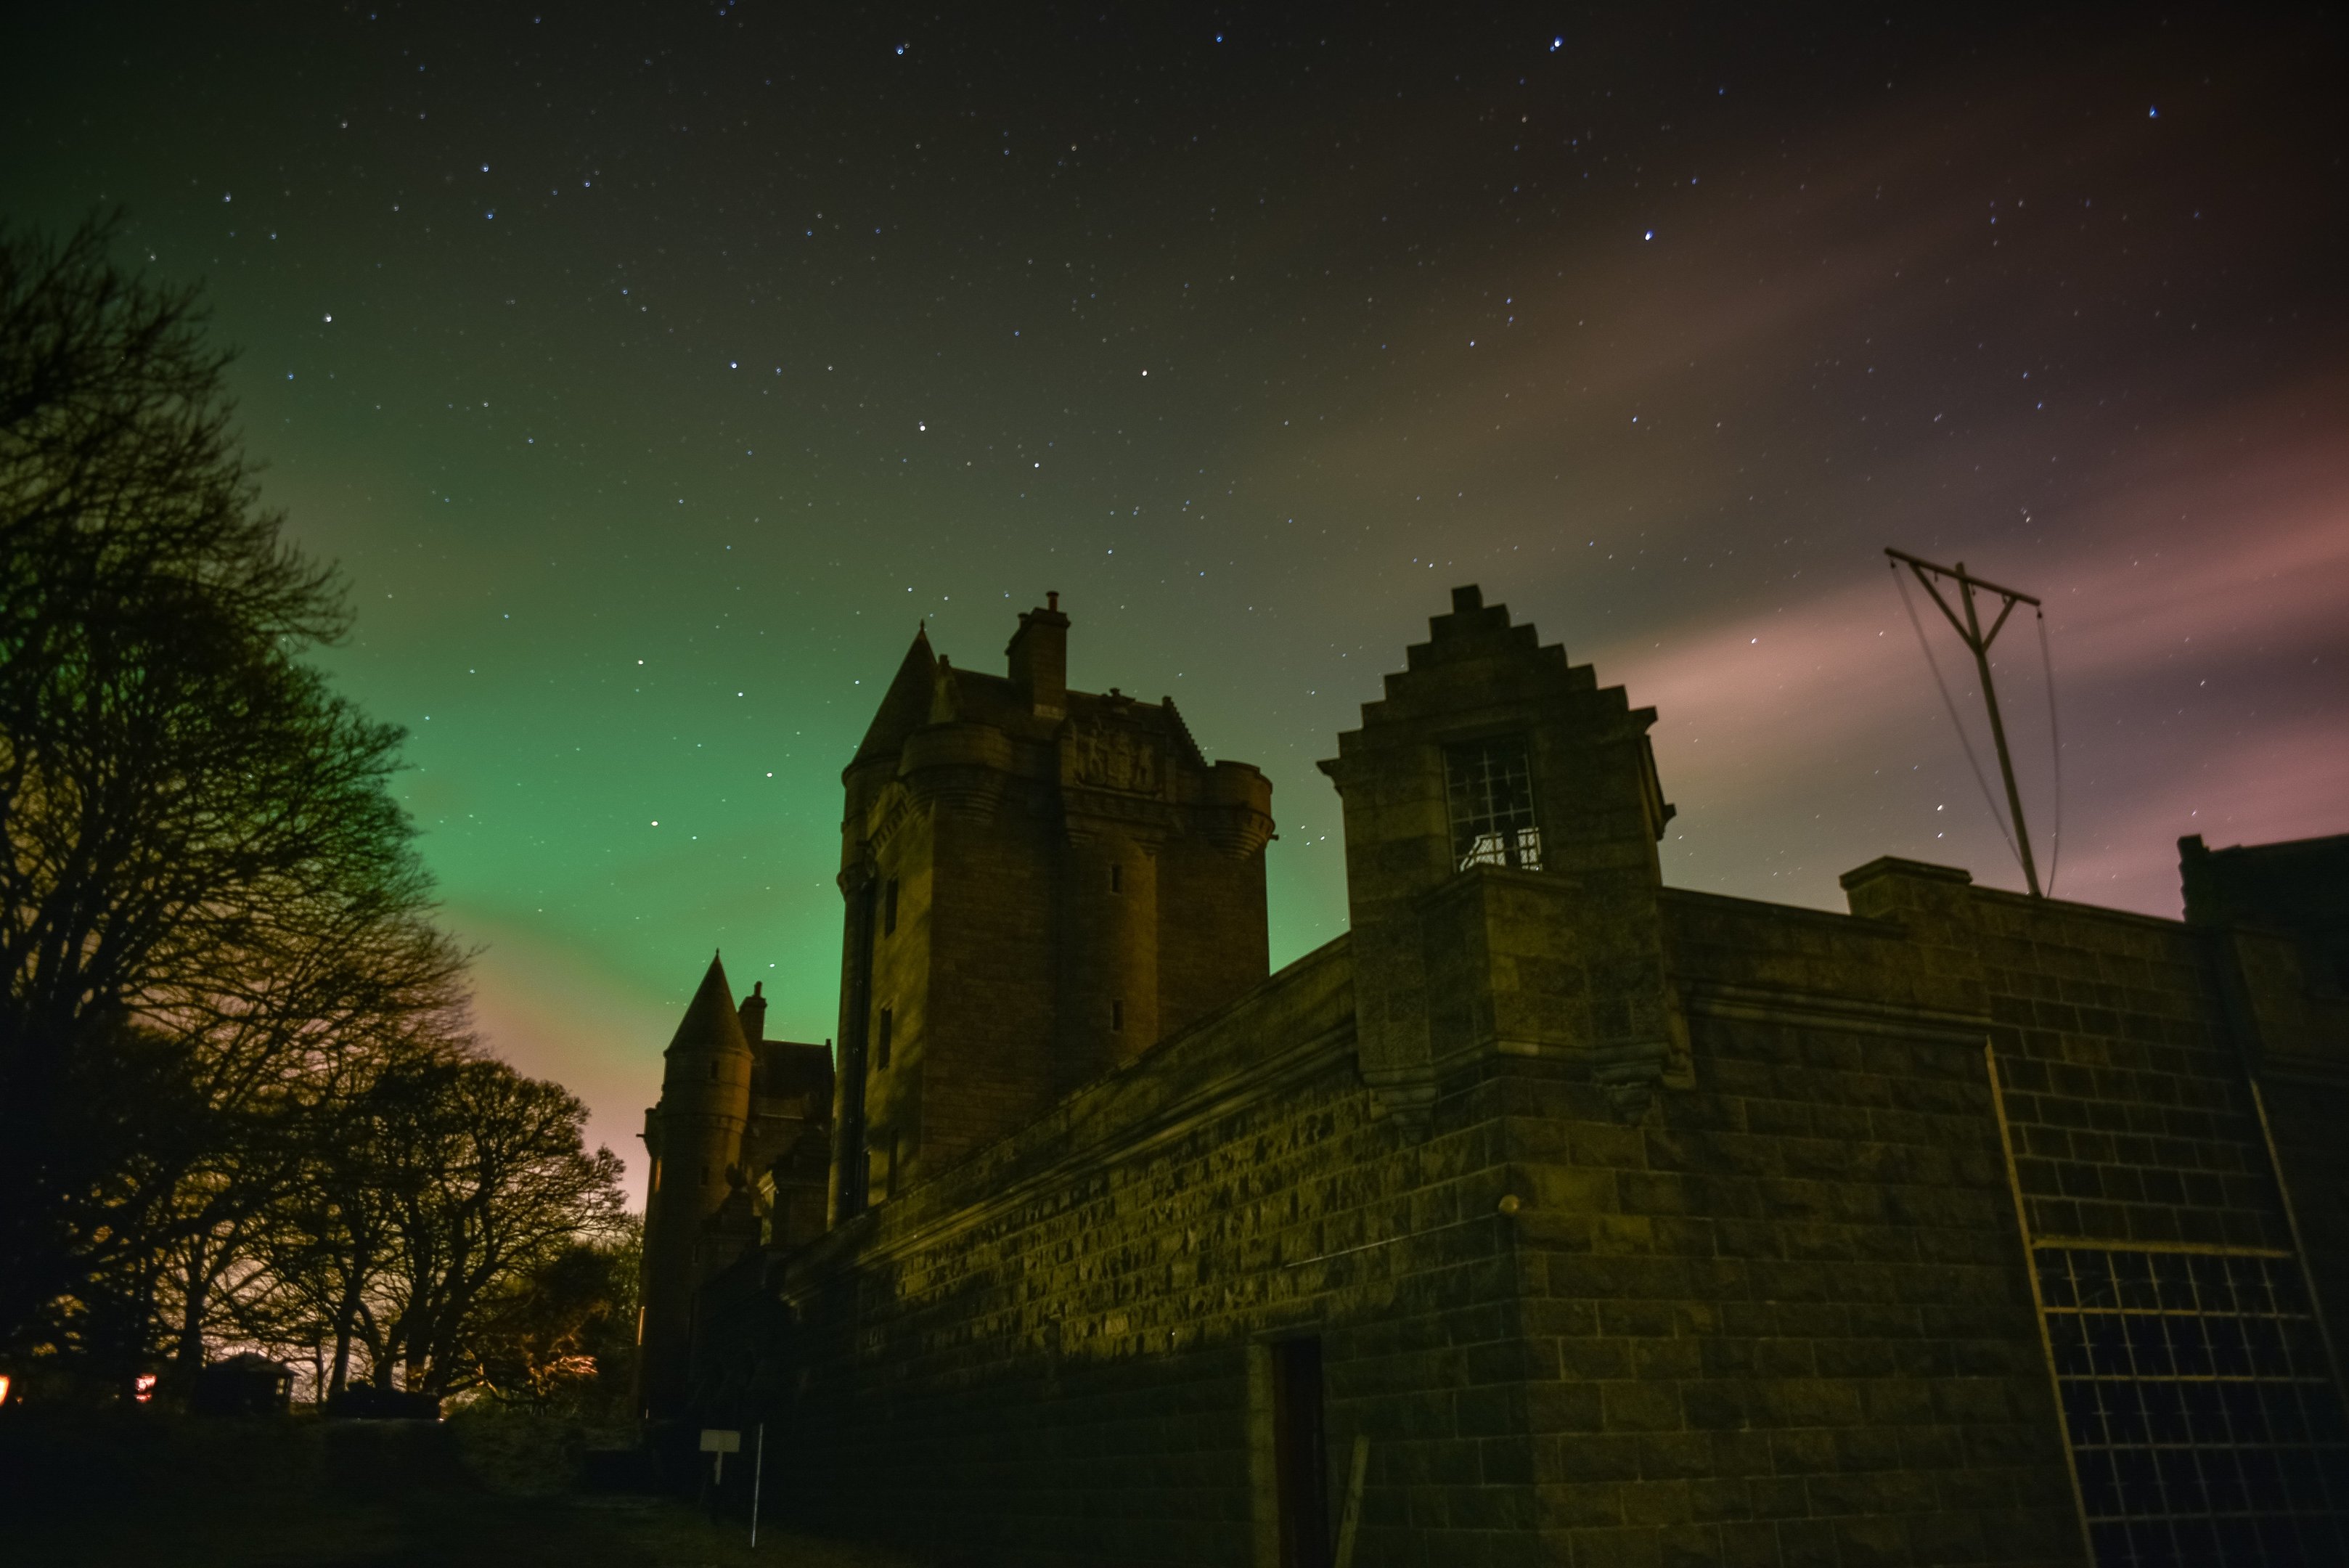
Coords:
pixel 1105 758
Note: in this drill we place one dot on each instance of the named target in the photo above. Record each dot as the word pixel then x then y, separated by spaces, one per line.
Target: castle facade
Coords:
pixel 1551 1215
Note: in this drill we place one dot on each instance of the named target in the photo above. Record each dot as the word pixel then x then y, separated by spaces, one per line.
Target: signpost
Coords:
pixel 721 1442
pixel 757 1473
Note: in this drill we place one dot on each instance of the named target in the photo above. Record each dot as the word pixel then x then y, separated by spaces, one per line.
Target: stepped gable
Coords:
pixel 905 707
pixel 710 1023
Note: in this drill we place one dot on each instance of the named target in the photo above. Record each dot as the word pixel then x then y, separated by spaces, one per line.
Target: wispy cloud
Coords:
pixel 550 1011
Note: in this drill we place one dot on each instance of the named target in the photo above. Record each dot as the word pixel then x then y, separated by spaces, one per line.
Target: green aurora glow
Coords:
pixel 652 379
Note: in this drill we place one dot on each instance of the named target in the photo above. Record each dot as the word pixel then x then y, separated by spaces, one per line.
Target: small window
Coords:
pixel 1117 879
pixel 1117 1016
pixel 889 1034
pixel 897 1159
pixel 889 908
pixel 656 1164
pixel 1490 790
pixel 705 1176
pixel 713 1072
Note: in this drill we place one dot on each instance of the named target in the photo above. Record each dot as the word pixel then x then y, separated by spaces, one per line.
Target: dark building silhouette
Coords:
pixel 1549 1216
pixel 244 1385
pixel 2300 889
pixel 739 1153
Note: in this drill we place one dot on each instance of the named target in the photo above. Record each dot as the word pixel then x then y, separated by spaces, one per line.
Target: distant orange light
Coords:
pixel 4 1388
pixel 143 1388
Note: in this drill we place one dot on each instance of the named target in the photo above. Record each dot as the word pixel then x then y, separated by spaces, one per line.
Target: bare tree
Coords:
pixel 449 1228
pixel 325 1264
pixel 237 1096
pixel 498 1182
pixel 207 889
pixel 284 1087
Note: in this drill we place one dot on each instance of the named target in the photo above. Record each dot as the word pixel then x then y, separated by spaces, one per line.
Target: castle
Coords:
pixel 1551 1215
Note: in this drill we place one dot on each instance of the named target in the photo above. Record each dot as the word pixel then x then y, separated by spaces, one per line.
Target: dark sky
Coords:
pixel 653 373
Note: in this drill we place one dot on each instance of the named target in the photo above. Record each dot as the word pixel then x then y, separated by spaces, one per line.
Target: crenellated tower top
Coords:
pixel 1041 882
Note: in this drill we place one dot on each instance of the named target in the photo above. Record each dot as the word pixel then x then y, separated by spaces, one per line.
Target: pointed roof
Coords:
pixel 710 1023
pixel 905 707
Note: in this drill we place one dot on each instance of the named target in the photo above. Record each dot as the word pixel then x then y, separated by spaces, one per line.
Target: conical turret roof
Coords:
pixel 710 1023
pixel 906 706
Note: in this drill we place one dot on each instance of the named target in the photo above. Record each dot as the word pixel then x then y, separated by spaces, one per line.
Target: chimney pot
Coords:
pixel 1038 657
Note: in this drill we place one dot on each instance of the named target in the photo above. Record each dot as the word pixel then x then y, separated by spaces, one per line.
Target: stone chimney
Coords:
pixel 1040 659
pixel 753 1013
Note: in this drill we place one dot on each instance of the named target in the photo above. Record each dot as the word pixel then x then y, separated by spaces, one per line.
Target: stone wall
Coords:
pixel 1782 1315
pixel 983 964
pixel 2287 1011
pixel 1046 1350
pixel 1207 957
pixel 1799 1284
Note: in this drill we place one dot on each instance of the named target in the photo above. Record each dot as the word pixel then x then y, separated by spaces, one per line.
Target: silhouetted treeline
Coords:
pixel 239 1102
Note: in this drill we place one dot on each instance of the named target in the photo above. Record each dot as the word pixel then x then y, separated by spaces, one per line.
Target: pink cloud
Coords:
pixel 550 1011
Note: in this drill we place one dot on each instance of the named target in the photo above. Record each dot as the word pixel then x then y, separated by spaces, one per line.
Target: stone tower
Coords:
pixel 694 1137
pixel 1490 754
pixel 1040 884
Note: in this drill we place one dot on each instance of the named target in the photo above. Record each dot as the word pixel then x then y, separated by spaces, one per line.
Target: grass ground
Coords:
pixel 185 1494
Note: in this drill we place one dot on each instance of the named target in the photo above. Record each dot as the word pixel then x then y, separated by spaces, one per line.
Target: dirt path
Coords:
pixel 435 1529
pixel 202 1496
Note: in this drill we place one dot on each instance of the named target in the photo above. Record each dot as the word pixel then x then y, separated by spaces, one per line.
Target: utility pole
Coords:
pixel 1978 642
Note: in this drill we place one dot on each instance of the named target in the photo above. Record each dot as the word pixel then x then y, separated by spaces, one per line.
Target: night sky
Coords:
pixel 653 374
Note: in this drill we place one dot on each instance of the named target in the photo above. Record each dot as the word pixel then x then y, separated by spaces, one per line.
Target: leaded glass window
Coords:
pixel 1490 790
pixel 2198 1397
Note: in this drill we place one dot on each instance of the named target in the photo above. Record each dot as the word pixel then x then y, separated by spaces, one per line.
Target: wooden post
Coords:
pixel 1978 643
pixel 1352 1518
pixel 758 1474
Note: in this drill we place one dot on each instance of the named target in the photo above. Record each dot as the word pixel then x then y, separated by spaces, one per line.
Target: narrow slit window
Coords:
pixel 1117 1017
pixel 1489 786
pixel 1117 879
pixel 888 1035
pixel 889 909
